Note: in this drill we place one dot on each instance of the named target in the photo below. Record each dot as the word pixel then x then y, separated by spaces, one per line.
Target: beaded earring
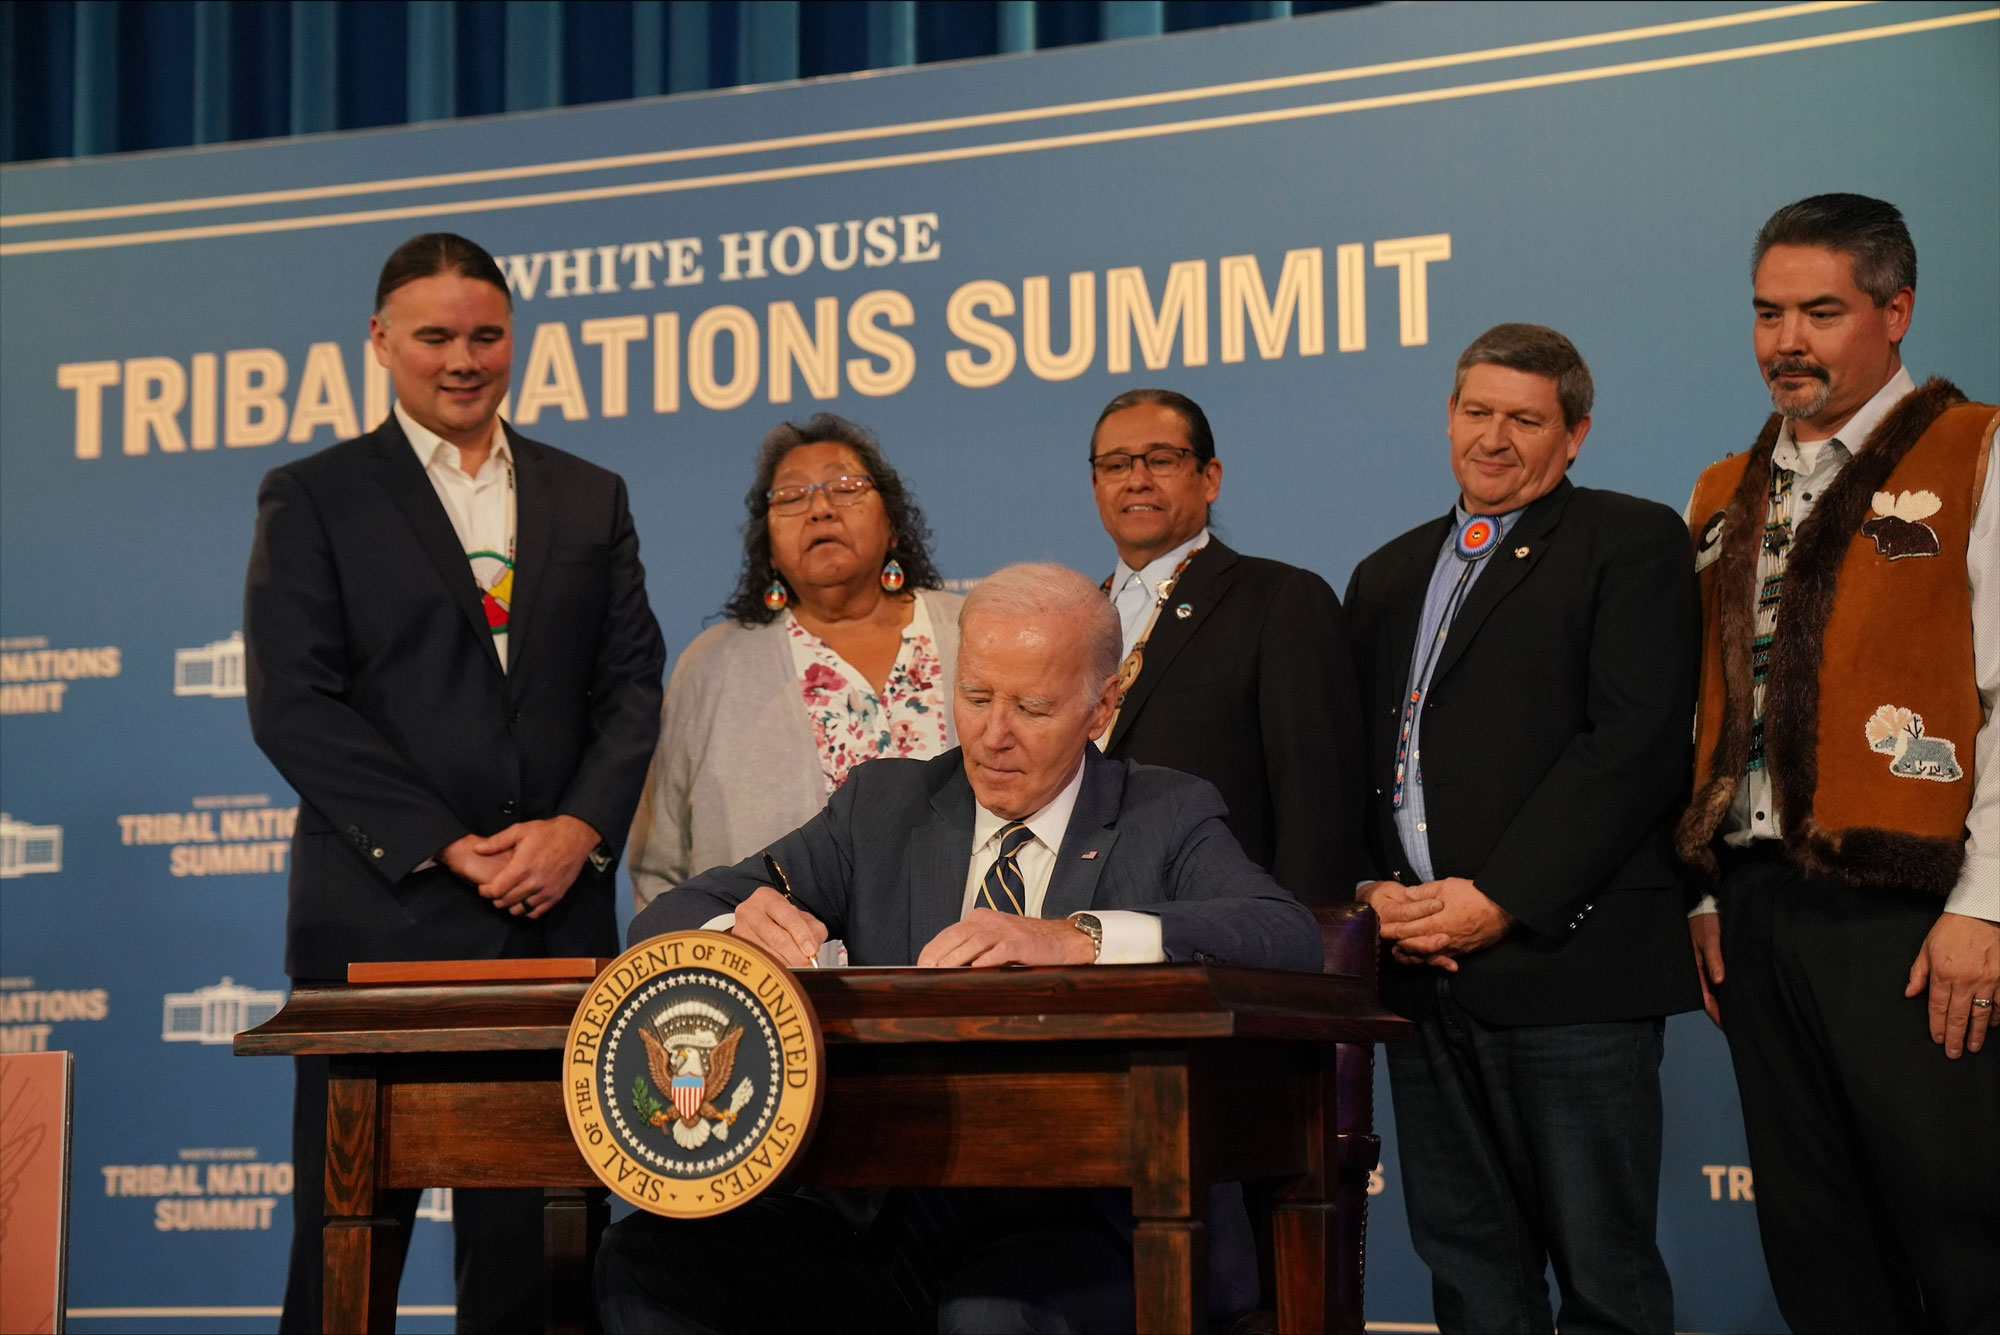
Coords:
pixel 777 596
pixel 892 575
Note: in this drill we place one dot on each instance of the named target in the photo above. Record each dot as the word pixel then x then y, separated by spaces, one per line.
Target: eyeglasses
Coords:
pixel 1163 462
pixel 841 491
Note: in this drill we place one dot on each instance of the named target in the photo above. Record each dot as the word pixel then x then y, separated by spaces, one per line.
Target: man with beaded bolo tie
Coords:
pixel 1527 669
pixel 1236 667
pixel 1847 809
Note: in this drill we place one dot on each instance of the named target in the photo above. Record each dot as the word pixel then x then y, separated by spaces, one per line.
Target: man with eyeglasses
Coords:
pixel 1236 668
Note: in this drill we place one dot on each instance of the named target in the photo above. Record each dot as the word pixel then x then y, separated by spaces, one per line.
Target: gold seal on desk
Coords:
pixel 693 1073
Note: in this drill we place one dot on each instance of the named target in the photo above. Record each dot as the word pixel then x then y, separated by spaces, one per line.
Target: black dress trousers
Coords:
pixel 1876 1158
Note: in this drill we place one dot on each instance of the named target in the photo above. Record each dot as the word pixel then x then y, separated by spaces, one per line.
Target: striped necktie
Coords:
pixel 1003 889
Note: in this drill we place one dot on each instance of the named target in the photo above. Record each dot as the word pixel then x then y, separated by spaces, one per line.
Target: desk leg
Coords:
pixel 364 1249
pixel 573 1219
pixel 1320 1229
pixel 1169 1194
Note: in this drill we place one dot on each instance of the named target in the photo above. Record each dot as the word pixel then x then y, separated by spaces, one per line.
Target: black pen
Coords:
pixel 784 887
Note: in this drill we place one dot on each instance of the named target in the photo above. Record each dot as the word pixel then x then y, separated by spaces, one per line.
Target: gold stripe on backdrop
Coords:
pixel 864 133
pixel 1008 149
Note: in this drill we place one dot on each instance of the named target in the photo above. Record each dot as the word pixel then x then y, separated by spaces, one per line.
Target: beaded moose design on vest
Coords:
pixel 1899 734
pixel 1897 524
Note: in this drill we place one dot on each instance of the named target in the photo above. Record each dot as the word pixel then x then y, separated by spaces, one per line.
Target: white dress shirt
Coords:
pixel 481 505
pixel 1754 813
pixel 1129 937
pixel 1133 592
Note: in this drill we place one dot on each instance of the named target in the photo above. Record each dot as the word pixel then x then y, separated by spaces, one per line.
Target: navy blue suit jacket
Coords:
pixel 375 689
pixel 884 866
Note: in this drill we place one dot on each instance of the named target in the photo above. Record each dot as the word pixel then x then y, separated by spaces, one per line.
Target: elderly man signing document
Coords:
pixel 1025 846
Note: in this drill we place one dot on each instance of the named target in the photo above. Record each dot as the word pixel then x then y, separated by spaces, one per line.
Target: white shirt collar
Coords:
pixel 427 443
pixel 1158 568
pixel 1049 824
pixel 1789 454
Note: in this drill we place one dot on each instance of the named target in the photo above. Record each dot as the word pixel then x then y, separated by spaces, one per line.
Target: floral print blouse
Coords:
pixel 850 722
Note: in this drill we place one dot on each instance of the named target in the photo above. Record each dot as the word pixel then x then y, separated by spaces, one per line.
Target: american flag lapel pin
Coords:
pixel 1091 854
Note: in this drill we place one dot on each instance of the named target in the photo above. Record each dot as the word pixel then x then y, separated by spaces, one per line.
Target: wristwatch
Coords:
pixel 1088 924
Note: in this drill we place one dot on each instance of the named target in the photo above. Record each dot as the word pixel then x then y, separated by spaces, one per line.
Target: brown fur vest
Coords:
pixel 1871 706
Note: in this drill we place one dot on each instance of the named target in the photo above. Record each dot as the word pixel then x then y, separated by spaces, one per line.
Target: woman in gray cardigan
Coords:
pixel 839 648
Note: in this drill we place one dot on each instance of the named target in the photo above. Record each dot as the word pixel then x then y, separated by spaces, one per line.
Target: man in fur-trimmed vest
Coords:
pixel 1847 791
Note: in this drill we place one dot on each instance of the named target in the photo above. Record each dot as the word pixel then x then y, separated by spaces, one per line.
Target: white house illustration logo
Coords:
pixel 217 1014
pixel 26 850
pixel 214 669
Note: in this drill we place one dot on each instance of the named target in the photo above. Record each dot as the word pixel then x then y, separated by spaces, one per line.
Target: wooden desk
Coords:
pixel 1163 1078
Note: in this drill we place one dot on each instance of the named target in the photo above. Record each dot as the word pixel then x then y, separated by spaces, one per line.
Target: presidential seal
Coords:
pixel 693 1073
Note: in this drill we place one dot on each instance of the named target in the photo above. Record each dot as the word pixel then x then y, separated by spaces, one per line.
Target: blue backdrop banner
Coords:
pixel 1300 225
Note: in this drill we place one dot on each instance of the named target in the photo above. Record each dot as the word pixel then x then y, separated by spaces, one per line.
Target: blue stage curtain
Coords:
pixel 79 77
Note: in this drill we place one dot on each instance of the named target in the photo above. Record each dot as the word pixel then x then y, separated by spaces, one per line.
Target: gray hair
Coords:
pixel 1533 349
pixel 1870 232
pixel 1052 590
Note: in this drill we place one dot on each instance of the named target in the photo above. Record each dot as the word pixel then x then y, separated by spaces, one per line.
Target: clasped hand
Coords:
pixel 1436 922
pixel 986 938
pixel 526 868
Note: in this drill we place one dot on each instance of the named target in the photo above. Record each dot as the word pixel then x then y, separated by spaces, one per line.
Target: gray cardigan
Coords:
pixel 736 766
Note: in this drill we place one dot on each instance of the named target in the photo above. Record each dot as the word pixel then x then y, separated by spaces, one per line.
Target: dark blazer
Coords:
pixel 1254 691
pixel 375 689
pixel 884 866
pixel 1556 742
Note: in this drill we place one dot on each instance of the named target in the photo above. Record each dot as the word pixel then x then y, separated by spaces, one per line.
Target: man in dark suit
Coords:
pixel 1025 847
pixel 1528 666
pixel 1237 668
pixel 451 658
